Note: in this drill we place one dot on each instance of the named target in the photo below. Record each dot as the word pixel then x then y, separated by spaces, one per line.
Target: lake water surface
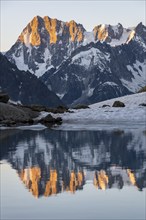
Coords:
pixel 53 174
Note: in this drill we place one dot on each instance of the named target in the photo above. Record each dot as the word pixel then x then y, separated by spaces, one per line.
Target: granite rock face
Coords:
pixel 45 42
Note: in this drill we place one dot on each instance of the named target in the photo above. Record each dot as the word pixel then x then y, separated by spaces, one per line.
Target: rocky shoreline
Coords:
pixel 13 115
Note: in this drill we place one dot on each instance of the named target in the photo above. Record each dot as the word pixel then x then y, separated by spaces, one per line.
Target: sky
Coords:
pixel 15 15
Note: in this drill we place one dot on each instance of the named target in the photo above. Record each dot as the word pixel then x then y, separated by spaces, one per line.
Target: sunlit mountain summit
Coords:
pixel 80 66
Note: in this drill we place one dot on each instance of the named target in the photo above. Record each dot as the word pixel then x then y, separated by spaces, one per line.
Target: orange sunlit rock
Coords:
pixel 30 178
pixel 132 34
pixel 50 25
pixel 131 177
pixel 34 37
pixel 100 33
pixel 75 31
pixel 80 178
pixel 102 179
pixel 73 182
pixel 51 186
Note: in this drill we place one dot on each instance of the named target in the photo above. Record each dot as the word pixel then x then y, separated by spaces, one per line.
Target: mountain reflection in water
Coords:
pixel 50 162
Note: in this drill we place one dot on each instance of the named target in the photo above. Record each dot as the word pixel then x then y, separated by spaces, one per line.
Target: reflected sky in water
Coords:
pixel 79 174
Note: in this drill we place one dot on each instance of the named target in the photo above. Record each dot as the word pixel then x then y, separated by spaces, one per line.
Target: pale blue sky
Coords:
pixel 15 15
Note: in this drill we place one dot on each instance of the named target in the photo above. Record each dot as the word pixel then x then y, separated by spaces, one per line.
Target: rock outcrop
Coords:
pixel 118 104
pixel 11 115
pixel 49 120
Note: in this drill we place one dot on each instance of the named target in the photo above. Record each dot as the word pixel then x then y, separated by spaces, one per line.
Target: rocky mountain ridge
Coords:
pixel 46 42
pixel 24 87
pixel 98 72
pixel 82 67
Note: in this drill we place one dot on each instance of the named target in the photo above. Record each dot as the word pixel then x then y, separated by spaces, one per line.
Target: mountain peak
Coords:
pixel 46 42
pixel 140 28
pixel 76 31
pixel 105 32
pixel 51 25
pixel 30 35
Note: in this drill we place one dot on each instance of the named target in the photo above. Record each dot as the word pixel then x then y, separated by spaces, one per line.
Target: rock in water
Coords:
pixel 49 120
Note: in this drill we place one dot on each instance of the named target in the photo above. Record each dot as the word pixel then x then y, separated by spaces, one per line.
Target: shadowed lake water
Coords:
pixel 53 174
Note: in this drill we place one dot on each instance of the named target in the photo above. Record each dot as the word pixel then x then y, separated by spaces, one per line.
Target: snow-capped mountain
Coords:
pixel 80 66
pixel 45 43
pixel 114 35
pixel 98 72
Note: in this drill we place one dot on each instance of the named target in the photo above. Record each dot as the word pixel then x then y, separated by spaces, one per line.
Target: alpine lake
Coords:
pixel 81 174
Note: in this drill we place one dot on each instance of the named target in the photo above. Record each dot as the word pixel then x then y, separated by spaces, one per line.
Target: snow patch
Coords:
pixel 138 71
pixel 93 56
pixel 88 38
pixel 46 65
pixel 122 40
pixel 19 61
pixel 96 117
pixel 110 83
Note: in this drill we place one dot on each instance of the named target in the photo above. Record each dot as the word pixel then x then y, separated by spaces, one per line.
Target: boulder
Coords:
pixel 4 97
pixel 11 115
pixel 142 104
pixel 118 104
pixel 49 120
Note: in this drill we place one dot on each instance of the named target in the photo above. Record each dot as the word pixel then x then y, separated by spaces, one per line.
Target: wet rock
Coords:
pixel 49 120
pixel 4 97
pixel 81 106
pixel 118 104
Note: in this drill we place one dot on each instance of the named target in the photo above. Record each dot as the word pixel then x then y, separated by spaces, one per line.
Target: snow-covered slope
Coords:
pixel 97 117
pixel 97 72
